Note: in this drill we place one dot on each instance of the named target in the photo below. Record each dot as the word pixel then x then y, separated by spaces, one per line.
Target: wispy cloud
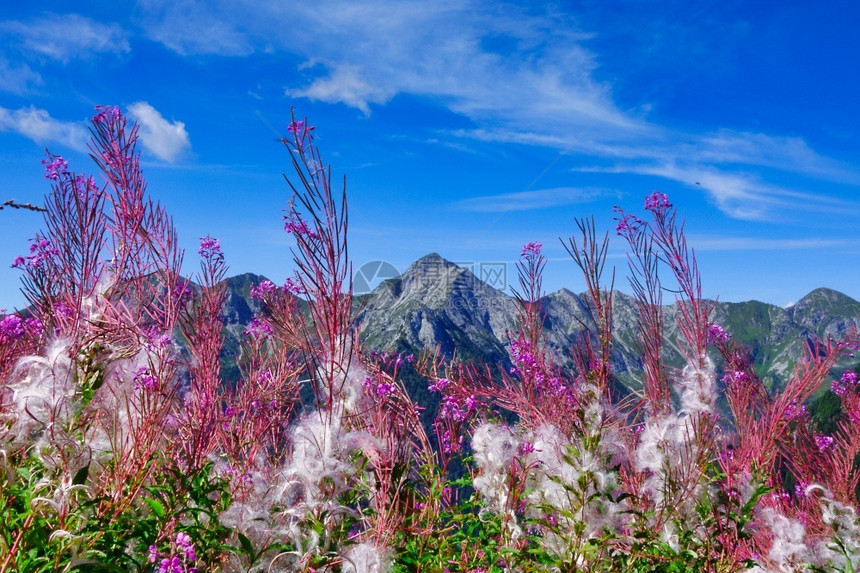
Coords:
pixel 519 73
pixel 497 63
pixel 17 79
pixel 38 125
pixel 167 140
pixel 191 28
pixel 345 83
pixel 764 244
pixel 537 199
pixel 742 195
pixel 66 36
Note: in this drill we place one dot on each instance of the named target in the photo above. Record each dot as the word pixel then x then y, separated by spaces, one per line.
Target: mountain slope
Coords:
pixel 435 303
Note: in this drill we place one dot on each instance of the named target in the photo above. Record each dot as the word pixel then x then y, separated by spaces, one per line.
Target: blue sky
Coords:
pixel 467 127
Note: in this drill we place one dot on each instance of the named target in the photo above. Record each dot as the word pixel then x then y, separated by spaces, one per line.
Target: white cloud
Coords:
pixel 189 27
pixel 38 125
pixel 520 73
pixel 744 195
pixel 493 63
pixel 17 79
pixel 762 244
pixel 167 140
pixel 67 36
pixel 345 84
pixel 537 199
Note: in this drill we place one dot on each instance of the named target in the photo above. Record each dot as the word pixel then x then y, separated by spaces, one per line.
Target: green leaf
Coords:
pixel 247 547
pixel 156 506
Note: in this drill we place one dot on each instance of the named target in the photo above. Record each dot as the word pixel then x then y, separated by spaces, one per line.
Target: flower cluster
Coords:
pixel 143 379
pixel 294 287
pixel 210 249
pixel 529 366
pixel 41 251
pixel 824 443
pixel 85 186
pixel 793 411
pixel 296 227
pixel 382 388
pixel 180 562
pixel 657 201
pixel 453 409
pixel 848 380
pixel 440 385
pixel 56 167
pixel 734 377
pixel 258 328
pixel 298 127
pixel 105 113
pixel 629 226
pixel 264 290
pixel 392 359
pixel 716 333
pixel 531 249
pixel 13 327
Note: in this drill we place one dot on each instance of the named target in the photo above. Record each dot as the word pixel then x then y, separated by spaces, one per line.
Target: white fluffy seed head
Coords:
pixel 42 392
pixel 697 387
pixel 365 558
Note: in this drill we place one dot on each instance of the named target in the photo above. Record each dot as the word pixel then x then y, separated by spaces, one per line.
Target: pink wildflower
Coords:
pixel 531 249
pixel 657 201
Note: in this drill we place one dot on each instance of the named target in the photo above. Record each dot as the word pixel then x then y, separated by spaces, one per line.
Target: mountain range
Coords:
pixel 437 304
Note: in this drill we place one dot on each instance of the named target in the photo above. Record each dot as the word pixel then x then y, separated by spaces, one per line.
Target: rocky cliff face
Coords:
pixel 435 303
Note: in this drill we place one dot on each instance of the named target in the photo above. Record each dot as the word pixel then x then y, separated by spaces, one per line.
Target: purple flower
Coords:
pixel 793 411
pixel 55 168
pixel 824 443
pixel 297 127
pixel 531 249
pixel 105 113
pixel 717 334
pixel 143 379
pixel 439 386
pixel 264 290
pixel 384 390
pixel 210 248
pixel 628 226
pixel 153 553
pixel 298 227
pixel 170 565
pixel 183 540
pixel 657 201
pixel 448 445
pixel 181 293
pixel 63 309
pixel 734 377
pixel 294 287
pixel 471 403
pixel 85 186
pixel 451 409
pixel 258 328
pixel 11 327
pixel 40 251
pixel 838 388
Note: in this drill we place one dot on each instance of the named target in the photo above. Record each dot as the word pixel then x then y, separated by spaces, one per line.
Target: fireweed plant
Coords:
pixel 122 447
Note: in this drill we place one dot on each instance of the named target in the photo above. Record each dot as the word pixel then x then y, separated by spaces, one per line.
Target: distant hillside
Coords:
pixel 435 303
